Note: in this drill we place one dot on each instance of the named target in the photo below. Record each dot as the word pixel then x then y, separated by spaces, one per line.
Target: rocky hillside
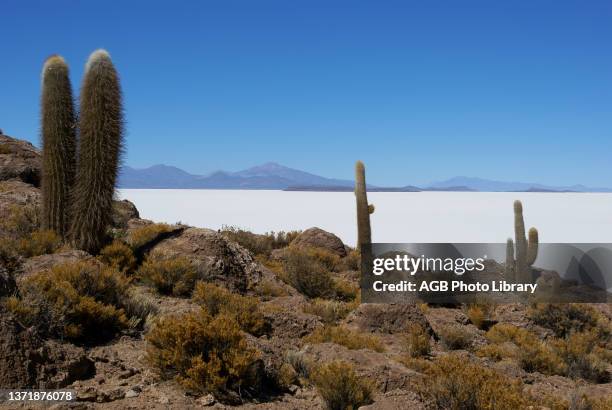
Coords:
pixel 173 316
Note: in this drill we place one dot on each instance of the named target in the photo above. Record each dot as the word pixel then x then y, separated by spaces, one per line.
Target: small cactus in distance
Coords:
pixel 364 231
pixel 101 139
pixel 58 144
pixel 525 250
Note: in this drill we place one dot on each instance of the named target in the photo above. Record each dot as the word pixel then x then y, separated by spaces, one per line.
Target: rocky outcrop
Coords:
pixel 123 211
pixel 383 318
pixel 26 361
pixel 216 258
pixel 19 159
pixel 318 238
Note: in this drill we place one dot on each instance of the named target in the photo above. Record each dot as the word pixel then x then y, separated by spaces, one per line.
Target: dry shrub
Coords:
pixel 340 387
pixel 300 364
pixel 307 274
pixel 455 337
pixel 330 311
pixel 39 243
pixel 80 301
pixel 20 220
pixel 174 276
pixel 582 356
pixel 417 341
pixel 243 309
pixel 204 353
pixel 533 353
pixel 346 337
pixel 119 256
pixel 267 289
pixel 142 236
pixel 352 261
pixel 259 244
pixel 564 319
pixel 455 384
pixel 498 352
pixel 346 290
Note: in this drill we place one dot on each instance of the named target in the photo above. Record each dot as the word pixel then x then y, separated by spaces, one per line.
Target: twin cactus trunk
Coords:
pixel 58 126
pixel 521 254
pixel 101 135
pixel 364 231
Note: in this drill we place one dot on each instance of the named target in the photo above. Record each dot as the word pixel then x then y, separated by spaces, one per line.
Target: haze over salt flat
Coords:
pixel 405 217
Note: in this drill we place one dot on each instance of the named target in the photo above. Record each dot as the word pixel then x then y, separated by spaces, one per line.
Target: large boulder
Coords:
pixel 19 159
pixel 26 361
pixel 123 211
pixel 318 238
pixel 216 258
pixel 46 262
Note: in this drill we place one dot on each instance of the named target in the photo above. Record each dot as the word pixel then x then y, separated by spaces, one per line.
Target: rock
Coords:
pixel 396 400
pixel 26 361
pixel 216 258
pixel 318 238
pixel 7 282
pixel 131 393
pixel 19 159
pixel 384 318
pixel 287 320
pixel 207 400
pixel 385 374
pixel 123 211
pixel 48 261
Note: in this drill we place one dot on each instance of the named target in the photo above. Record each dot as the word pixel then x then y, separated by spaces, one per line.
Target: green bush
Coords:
pixel 346 337
pixel 456 384
pixel 80 301
pixel 564 319
pixel 417 341
pixel 119 256
pixel 455 337
pixel 340 387
pixel 307 274
pixel 259 244
pixel 244 309
pixel 174 276
pixel 204 353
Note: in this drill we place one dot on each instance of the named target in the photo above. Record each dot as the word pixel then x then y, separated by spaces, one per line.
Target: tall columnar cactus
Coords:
pixel 364 231
pixel 509 271
pixel 101 139
pixel 526 251
pixel 58 129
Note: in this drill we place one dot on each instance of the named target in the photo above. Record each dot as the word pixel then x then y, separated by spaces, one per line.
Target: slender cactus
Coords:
pixel 101 132
pixel 526 250
pixel 509 271
pixel 58 144
pixel 364 231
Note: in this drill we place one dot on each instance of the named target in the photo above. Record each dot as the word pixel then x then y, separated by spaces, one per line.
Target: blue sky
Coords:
pixel 420 91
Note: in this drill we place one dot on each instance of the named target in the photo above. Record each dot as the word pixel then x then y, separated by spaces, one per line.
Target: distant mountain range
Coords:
pixel 278 177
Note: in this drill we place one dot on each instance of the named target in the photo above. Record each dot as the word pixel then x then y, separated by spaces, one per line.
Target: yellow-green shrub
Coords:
pixel 119 256
pixel 455 337
pixel 204 353
pixel 259 244
pixel 330 311
pixel 146 234
pixel 346 337
pixel 307 274
pixel 39 243
pixel 174 276
pixel 417 341
pixel 79 301
pixel 340 387
pixel 269 289
pixel 244 309
pixel 345 289
pixel 564 319
pixel 453 383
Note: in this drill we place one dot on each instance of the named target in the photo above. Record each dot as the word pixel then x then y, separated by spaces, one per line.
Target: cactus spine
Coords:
pixel 101 139
pixel 526 249
pixel 364 231
pixel 58 144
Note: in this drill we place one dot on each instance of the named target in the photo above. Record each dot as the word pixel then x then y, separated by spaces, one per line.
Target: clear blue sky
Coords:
pixel 420 91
